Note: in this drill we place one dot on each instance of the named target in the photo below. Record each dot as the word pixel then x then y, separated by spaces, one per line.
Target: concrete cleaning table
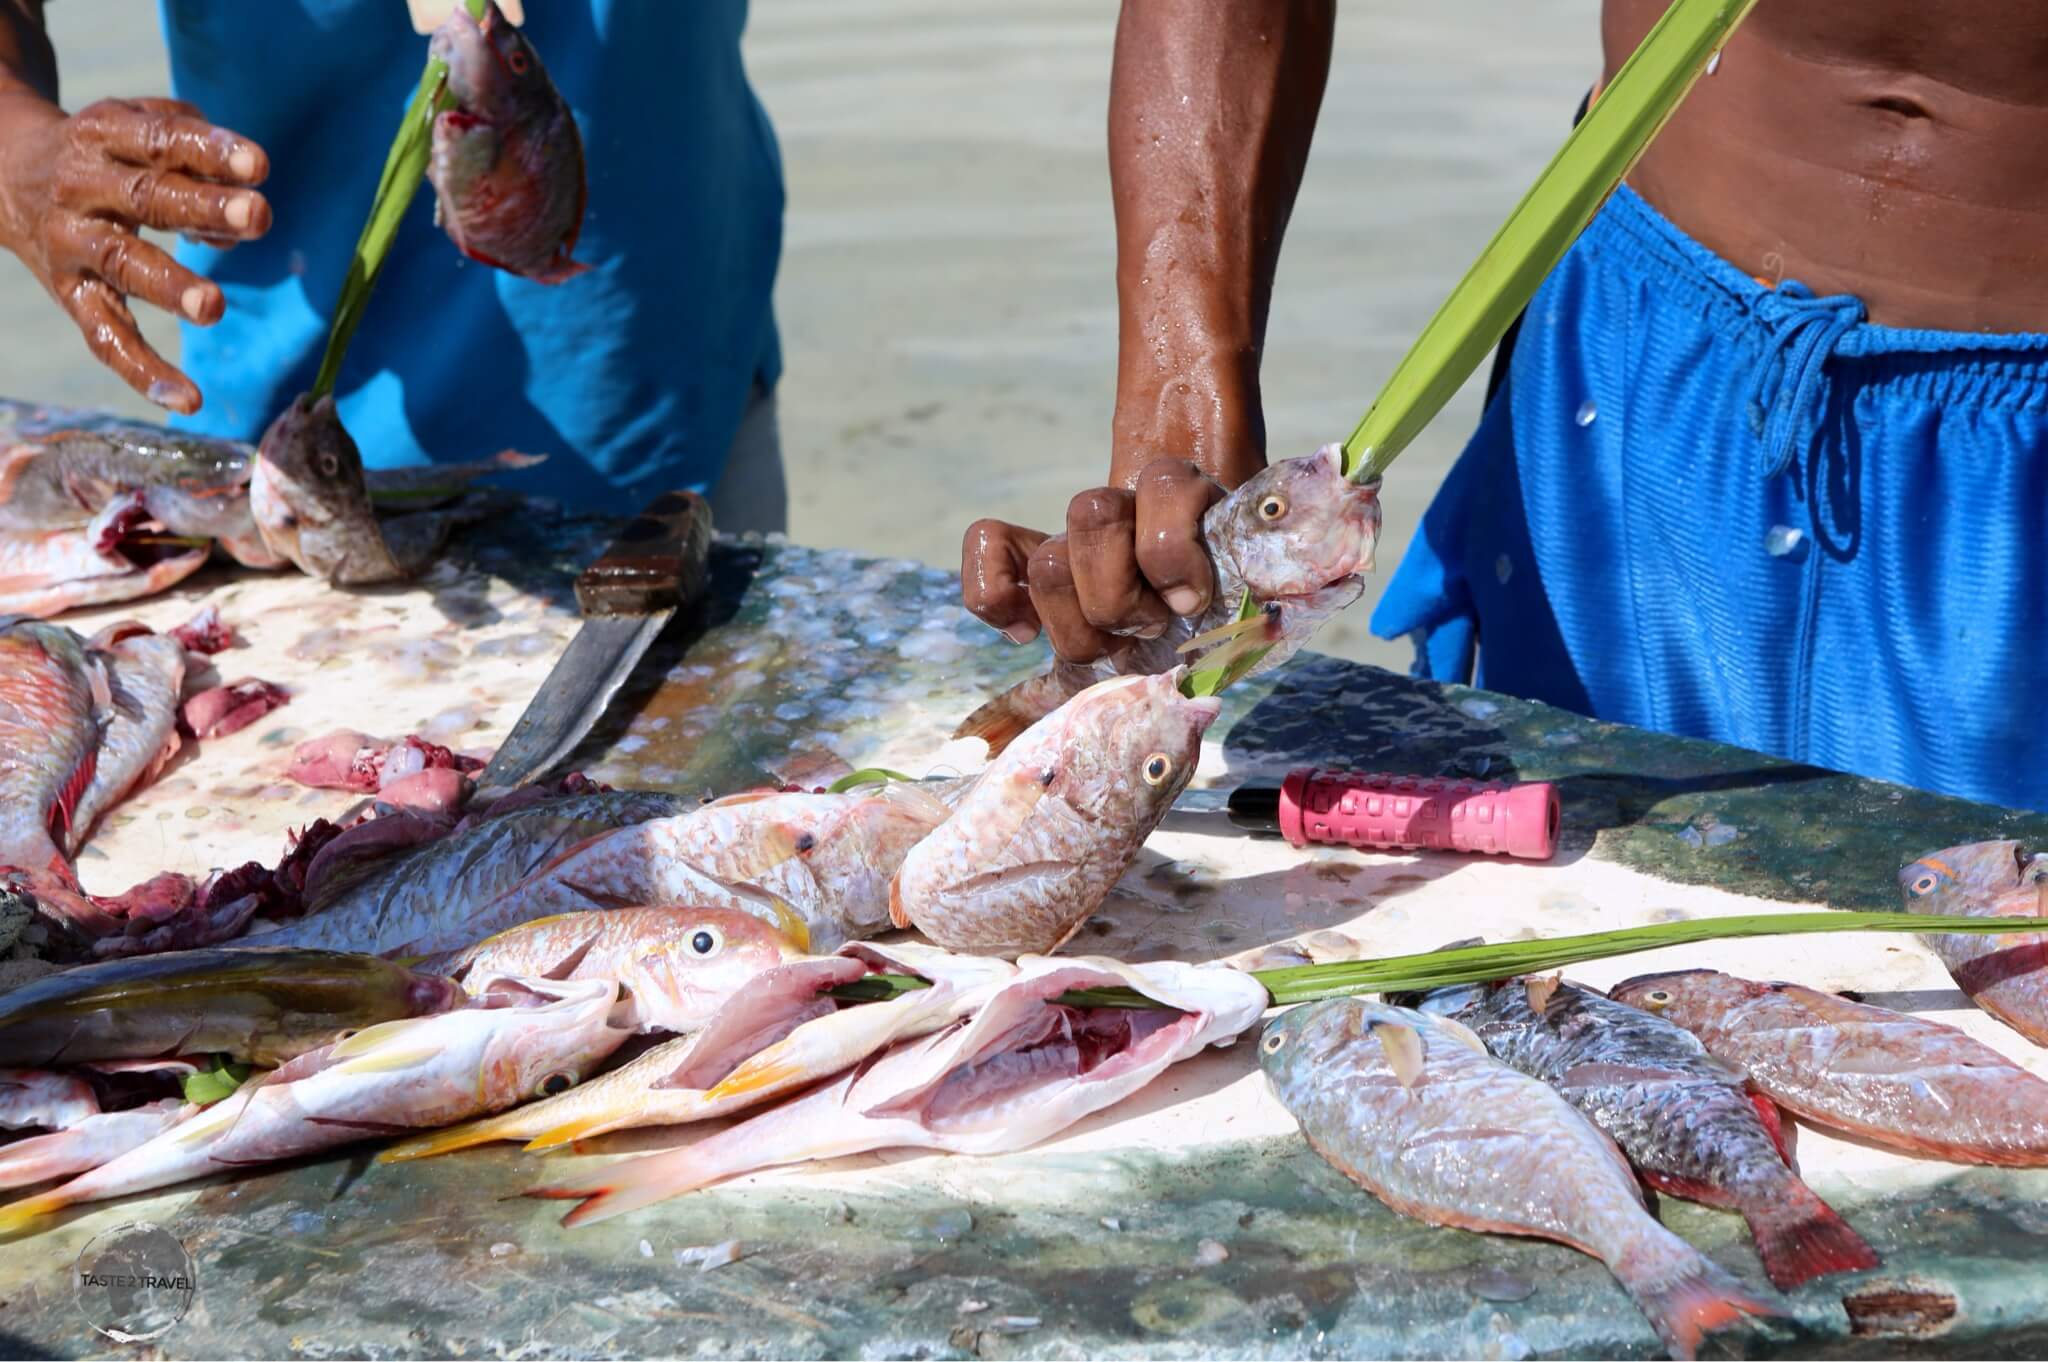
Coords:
pixel 1093 1244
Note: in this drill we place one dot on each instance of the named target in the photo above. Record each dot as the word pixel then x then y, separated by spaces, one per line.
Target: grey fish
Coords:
pixel 431 889
pixel 1684 1119
pixel 1413 1109
pixel 261 1006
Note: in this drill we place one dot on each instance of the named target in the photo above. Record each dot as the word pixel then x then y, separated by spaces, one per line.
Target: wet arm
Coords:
pixel 1212 105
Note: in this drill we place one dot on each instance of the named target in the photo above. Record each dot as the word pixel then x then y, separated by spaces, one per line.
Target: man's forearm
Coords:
pixel 28 64
pixel 1212 105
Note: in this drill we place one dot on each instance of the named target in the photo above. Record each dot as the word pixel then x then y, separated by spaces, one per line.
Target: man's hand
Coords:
pixel 74 191
pixel 1130 560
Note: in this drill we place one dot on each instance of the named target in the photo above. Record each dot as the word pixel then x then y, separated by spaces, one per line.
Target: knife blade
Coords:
pixel 1347 808
pixel 657 565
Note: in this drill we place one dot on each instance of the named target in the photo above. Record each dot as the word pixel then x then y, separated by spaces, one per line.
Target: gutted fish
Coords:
pixel 2007 976
pixel 47 572
pixel 778 1035
pixel 1033 848
pixel 1296 536
pixel 1020 1070
pixel 1414 1110
pixel 49 744
pixel 507 162
pixel 1886 1076
pixel 515 1040
pixel 1684 1119
pixel 259 1005
pixel 59 470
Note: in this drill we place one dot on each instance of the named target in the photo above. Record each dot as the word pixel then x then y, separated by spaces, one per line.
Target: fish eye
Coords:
pixel 1924 883
pixel 1158 767
pixel 1658 997
pixel 1272 506
pixel 518 62
pixel 1271 1044
pixel 705 942
pixel 556 1083
pixel 329 465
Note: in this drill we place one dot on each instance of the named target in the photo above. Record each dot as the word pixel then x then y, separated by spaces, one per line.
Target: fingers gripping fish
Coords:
pixel 1296 536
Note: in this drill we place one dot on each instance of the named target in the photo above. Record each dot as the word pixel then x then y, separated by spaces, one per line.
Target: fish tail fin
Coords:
pixel 631 1184
pixel 19 1216
pixel 1801 1237
pixel 512 1125
pixel 1685 1297
pixel 998 722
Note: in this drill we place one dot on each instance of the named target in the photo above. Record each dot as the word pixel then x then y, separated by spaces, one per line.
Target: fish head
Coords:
pixel 1303 1040
pixel 547 1039
pixel 308 493
pixel 1955 879
pixel 493 71
pixel 1687 996
pixel 1296 527
pixel 698 962
pixel 1129 746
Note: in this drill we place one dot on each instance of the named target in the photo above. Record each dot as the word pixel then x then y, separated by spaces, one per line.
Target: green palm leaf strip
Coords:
pixel 404 167
pixel 1549 218
pixel 1478 964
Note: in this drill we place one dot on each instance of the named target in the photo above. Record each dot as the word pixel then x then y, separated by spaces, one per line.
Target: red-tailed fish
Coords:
pixel 1684 1119
pixel 1414 1110
pixel 1888 1077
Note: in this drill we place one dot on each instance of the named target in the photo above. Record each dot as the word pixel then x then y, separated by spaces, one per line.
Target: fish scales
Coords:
pixel 1886 1076
pixel 1440 1130
pixel 1684 1119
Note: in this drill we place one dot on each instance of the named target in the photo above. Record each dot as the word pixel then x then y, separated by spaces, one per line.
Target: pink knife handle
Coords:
pixel 1420 813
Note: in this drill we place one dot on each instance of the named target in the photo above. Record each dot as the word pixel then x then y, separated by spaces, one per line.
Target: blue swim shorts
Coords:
pixel 1709 507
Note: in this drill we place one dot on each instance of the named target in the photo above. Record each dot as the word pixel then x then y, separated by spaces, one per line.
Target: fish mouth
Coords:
pixel 463 46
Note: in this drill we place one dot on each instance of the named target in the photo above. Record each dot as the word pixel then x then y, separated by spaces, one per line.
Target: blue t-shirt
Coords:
pixel 632 378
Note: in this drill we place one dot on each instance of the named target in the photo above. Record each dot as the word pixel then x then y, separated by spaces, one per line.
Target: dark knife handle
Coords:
pixel 658 562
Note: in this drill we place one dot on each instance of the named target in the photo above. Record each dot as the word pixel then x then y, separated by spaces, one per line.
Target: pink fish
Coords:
pixel 1034 847
pixel 778 1035
pixel 1020 1070
pixel 47 572
pixel 2007 976
pixel 90 1142
pixel 1295 536
pixel 676 966
pixel 826 857
pixel 1885 1076
pixel 41 1099
pixel 517 1039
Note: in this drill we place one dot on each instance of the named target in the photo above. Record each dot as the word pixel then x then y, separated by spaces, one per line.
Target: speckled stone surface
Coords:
pixel 1189 1222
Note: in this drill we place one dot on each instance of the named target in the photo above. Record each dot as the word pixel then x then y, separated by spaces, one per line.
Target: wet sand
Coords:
pixel 946 300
